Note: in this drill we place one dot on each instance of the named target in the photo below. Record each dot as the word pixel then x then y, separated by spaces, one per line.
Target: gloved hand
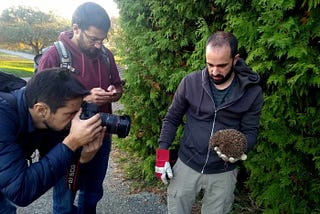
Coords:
pixel 163 169
pixel 229 159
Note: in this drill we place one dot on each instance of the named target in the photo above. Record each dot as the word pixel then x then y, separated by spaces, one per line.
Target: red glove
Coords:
pixel 163 169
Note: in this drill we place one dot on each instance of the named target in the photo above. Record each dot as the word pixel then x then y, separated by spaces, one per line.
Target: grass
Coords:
pixel 16 65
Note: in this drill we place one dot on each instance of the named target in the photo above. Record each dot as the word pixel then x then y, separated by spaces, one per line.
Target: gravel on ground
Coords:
pixel 117 198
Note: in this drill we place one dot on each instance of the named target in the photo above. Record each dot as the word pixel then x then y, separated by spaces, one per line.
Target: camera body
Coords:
pixel 115 124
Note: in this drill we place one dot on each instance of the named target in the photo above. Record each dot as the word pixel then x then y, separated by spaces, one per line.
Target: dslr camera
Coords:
pixel 115 124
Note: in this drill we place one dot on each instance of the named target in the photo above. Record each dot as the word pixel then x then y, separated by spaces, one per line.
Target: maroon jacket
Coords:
pixel 93 73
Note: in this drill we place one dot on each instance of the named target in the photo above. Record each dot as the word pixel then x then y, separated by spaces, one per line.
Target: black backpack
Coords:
pixel 10 82
pixel 66 59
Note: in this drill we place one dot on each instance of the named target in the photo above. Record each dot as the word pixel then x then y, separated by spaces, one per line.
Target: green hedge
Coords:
pixel 162 41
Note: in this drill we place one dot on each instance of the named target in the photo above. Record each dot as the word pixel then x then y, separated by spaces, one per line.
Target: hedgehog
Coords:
pixel 229 142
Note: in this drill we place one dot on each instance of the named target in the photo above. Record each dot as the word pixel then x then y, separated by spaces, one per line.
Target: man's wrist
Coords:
pixel 70 143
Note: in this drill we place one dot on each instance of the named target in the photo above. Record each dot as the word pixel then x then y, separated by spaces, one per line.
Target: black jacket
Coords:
pixel 194 99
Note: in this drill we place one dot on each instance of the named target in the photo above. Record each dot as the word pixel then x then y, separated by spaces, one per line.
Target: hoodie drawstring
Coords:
pixel 83 64
pixel 99 72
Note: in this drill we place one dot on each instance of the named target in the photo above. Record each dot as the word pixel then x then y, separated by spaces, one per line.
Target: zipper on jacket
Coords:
pixel 208 152
pixel 213 123
pixel 212 129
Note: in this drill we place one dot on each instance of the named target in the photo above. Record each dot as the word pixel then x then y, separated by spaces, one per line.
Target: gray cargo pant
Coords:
pixel 187 183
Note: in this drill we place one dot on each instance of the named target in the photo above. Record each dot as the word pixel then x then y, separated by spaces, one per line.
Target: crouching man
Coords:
pixel 44 115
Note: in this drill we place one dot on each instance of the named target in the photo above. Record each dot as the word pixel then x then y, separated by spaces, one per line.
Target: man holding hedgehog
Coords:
pixel 225 95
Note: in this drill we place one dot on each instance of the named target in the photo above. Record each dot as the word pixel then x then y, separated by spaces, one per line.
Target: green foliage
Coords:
pixel 162 41
pixel 159 39
pixel 282 41
pixel 114 37
pixel 30 27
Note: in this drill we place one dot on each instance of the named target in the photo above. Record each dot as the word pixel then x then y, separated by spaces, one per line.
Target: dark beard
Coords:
pixel 223 78
pixel 93 53
pixel 90 53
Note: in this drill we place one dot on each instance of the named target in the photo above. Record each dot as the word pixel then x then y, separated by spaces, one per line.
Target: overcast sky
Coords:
pixel 61 8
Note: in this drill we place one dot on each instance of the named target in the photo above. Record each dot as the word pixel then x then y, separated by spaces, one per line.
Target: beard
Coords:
pixel 220 79
pixel 89 52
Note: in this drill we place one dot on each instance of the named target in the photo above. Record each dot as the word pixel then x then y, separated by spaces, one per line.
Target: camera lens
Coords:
pixel 124 126
pixel 119 125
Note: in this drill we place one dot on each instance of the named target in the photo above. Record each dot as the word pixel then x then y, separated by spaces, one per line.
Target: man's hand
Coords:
pixel 163 169
pixel 100 96
pixel 229 159
pixel 89 150
pixel 83 131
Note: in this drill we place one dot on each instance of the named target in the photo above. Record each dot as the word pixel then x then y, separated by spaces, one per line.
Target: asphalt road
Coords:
pixel 17 53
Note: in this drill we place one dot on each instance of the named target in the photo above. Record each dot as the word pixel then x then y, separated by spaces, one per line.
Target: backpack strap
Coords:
pixel 106 59
pixel 65 56
pixel 66 59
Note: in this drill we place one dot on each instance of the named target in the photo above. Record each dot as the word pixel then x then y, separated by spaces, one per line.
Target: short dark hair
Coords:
pixel 91 14
pixel 54 86
pixel 221 38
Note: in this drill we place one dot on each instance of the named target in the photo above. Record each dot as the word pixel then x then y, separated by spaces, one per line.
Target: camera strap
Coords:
pixel 72 173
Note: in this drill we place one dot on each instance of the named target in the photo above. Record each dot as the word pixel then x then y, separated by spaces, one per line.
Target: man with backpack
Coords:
pixel 94 66
pixel 36 117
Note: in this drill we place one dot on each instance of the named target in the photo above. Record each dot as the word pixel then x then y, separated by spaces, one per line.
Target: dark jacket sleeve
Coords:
pixel 174 116
pixel 250 122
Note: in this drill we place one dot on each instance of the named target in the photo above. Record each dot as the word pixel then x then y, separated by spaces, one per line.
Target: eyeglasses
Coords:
pixel 93 40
